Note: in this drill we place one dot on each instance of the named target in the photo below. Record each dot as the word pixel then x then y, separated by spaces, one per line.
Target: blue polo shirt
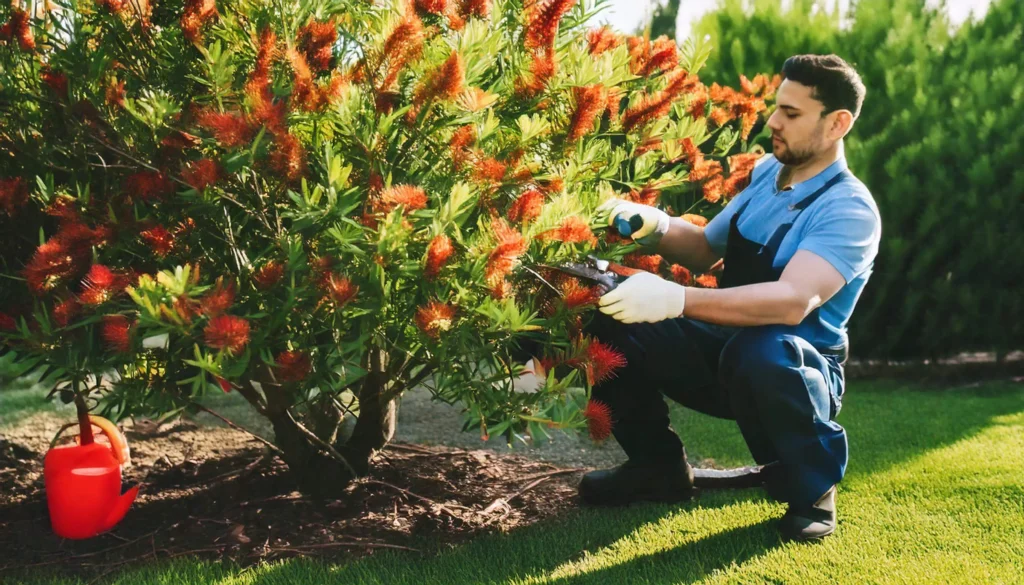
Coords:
pixel 843 226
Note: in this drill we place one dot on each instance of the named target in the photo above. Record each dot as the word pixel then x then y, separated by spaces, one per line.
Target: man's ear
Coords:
pixel 842 122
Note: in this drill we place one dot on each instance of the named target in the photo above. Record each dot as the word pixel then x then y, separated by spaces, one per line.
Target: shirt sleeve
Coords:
pixel 717 230
pixel 846 233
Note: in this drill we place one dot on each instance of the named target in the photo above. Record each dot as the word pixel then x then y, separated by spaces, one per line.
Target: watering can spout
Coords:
pixel 120 508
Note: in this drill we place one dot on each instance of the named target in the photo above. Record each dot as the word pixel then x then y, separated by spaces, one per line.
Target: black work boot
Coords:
pixel 635 482
pixel 813 522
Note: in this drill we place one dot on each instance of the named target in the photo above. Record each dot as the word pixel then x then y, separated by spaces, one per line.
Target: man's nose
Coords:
pixel 773 121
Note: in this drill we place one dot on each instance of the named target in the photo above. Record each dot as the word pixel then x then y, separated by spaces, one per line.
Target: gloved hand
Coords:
pixel 655 224
pixel 644 298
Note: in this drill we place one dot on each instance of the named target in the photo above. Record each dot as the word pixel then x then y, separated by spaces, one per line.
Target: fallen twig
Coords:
pixel 440 506
pixel 272 446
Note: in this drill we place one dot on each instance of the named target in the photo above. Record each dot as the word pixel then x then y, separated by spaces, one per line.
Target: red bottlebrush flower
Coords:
pixel 603 361
pixel 202 173
pixel 542 17
pixel 590 101
pixel 340 289
pixel 510 246
pixel 293 366
pixel 288 157
pixel 230 130
pixel 438 252
pixel 195 15
pixel 116 333
pixel 316 40
pixel 268 275
pixel 446 82
pixel 707 281
pixel 572 230
pixel 658 104
pixel 651 263
pixel 432 6
pixel 489 170
pixel 56 81
pixel 100 285
pixel 602 39
pixel 304 90
pixel 527 207
pixel 159 239
pixel 219 299
pixel 18 28
pixel 461 140
pixel 7 323
pixel 266 53
pixel 13 195
pixel 65 312
pixel 435 317
pixel 575 295
pixel 409 197
pixel 227 332
pixel 698 220
pixel 599 420
pixel 681 275
pixel 64 209
pixel 481 8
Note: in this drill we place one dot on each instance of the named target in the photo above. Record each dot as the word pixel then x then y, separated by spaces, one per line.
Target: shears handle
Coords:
pixel 627 227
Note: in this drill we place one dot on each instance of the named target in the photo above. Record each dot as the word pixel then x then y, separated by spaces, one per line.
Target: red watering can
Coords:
pixel 83 482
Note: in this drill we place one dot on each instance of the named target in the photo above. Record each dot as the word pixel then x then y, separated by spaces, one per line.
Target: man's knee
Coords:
pixel 757 354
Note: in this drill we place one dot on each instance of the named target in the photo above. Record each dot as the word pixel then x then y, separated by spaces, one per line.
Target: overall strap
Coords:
pixel 807 201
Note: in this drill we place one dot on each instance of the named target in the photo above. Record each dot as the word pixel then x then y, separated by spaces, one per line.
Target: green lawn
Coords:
pixel 933 494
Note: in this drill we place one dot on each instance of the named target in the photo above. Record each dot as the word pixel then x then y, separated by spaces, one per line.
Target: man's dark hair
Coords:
pixel 832 80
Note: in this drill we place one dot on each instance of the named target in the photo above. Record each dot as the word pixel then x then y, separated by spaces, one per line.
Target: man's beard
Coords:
pixel 793 157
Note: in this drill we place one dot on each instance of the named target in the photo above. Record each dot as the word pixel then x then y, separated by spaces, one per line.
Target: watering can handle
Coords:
pixel 118 442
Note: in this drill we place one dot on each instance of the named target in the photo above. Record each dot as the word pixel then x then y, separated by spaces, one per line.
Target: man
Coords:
pixel 767 347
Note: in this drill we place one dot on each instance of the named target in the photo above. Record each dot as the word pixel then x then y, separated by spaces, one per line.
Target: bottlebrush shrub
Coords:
pixel 319 205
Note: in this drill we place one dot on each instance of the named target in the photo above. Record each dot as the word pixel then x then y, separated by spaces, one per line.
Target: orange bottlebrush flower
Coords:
pixel 461 140
pixel 13 195
pixel 195 15
pixel 230 130
pixel 266 54
pixel 115 93
pixel 714 188
pixel 65 312
pixel 527 207
pixel 602 39
pixel 7 323
pixel 99 285
pixel 659 103
pixel 650 263
pixel 719 117
pixel 438 252
pixel 542 68
pixel 649 195
pixel 510 246
pixel 707 281
pixel 590 101
pixel 599 420
pixel 445 82
pixel 489 170
pixel 340 289
pixel 404 44
pixel 572 230
pixel 613 104
pixel 435 317
pixel 202 173
pixel 112 5
pixel 603 361
pixel 432 6
pixel 219 299
pixel 481 8
pixel 316 40
pixel 116 333
pixel 293 366
pixel 698 220
pixel 227 332
pixel 268 275
pixel 647 58
pixel 410 197
pixel 575 295
pixel 542 17
pixel 681 275
pixel 304 90
pixel 161 240
pixel 699 104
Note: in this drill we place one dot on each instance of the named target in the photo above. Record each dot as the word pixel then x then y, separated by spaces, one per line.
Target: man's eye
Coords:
pixel 791 116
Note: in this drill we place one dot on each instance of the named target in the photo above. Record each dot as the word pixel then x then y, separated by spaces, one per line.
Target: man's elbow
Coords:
pixel 798 307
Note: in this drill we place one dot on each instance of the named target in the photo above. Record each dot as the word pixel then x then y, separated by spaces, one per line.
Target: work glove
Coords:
pixel 655 221
pixel 644 298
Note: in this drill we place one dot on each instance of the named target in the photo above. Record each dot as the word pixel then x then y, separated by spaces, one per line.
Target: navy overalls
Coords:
pixel 778 382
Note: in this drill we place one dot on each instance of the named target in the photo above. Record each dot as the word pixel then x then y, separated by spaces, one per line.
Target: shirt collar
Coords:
pixel 815 182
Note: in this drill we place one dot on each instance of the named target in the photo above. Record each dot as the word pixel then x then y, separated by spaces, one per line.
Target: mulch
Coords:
pixel 211 493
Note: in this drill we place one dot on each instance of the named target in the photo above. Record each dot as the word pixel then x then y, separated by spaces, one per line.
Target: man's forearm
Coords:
pixel 685 244
pixel 766 303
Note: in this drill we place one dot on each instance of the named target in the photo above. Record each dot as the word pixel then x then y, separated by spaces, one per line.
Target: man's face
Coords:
pixel 798 128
